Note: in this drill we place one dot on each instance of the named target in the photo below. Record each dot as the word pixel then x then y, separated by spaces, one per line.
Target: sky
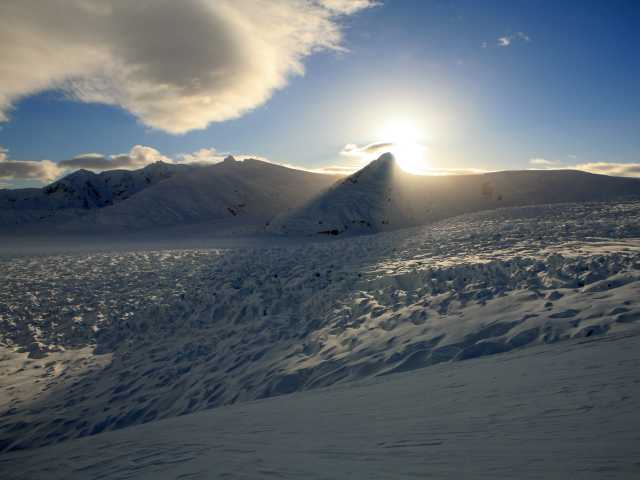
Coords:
pixel 448 86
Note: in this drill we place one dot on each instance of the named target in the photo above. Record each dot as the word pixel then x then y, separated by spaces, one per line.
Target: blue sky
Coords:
pixel 562 85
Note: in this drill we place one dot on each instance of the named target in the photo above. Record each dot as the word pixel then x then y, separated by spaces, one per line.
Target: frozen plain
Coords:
pixel 556 286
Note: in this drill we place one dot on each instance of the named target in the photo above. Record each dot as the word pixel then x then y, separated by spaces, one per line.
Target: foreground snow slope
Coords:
pixel 554 411
pixel 98 342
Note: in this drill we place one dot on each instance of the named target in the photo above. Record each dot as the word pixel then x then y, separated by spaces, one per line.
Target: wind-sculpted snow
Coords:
pixel 243 324
pixel 554 412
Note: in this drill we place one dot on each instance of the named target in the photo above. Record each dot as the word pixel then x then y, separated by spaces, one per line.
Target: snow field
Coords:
pixel 252 323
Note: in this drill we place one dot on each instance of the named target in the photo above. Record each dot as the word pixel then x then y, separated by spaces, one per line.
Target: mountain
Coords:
pixel 252 196
pixel 78 193
pixel 248 192
pixel 382 197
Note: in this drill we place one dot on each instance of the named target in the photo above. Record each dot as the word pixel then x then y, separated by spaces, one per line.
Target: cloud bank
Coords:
pixel 138 157
pixel 602 168
pixel 43 171
pixel 175 65
pixel 616 169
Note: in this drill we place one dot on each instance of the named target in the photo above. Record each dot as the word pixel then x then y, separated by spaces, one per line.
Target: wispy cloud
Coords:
pixel 353 150
pixel 175 65
pixel 507 40
pixel 542 162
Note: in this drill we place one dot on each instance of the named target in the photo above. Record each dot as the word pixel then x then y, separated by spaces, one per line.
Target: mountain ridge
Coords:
pixel 252 197
pixel 161 194
pixel 382 196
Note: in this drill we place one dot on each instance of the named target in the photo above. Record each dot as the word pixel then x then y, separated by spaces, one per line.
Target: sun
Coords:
pixel 403 137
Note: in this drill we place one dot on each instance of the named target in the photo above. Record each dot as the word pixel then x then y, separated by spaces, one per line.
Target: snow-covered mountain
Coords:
pixel 78 193
pixel 382 197
pixel 253 196
pixel 248 192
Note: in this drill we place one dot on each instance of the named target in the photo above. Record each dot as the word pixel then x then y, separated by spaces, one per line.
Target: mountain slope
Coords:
pixel 78 193
pixel 382 197
pixel 248 192
pixel 237 192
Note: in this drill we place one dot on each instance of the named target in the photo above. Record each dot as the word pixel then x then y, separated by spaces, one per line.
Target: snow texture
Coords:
pixel 94 342
pixel 554 411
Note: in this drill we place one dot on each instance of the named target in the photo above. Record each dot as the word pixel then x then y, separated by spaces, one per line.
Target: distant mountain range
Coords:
pixel 254 196
pixel 382 197
pixel 248 192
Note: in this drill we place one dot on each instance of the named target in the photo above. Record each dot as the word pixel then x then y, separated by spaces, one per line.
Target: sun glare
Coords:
pixel 404 139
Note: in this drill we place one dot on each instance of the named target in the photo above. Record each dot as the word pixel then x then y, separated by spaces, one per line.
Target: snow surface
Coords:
pixel 92 342
pixel 554 411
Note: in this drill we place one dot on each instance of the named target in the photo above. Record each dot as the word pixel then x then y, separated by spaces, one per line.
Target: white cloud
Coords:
pixel 43 171
pixel 138 157
pixel 211 155
pixel 204 155
pixel 347 6
pixel 603 168
pixel 606 168
pixel 542 162
pixel 176 65
pixel 509 39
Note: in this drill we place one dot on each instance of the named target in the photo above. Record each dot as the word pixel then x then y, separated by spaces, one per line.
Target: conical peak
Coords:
pixel 379 170
pixel 386 157
pixel 386 161
pixel 229 159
